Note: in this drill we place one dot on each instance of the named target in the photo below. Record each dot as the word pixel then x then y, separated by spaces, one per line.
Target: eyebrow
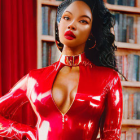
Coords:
pixel 82 15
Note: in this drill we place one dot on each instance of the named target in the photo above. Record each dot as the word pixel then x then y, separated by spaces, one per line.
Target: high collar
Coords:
pixel 72 60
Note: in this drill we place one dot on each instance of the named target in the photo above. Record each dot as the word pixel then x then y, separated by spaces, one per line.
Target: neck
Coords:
pixel 73 50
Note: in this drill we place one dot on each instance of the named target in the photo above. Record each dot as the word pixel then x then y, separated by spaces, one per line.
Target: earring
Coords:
pixel 91 38
pixel 59 44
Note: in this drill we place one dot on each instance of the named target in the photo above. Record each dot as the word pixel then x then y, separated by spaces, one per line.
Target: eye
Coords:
pixel 84 21
pixel 66 18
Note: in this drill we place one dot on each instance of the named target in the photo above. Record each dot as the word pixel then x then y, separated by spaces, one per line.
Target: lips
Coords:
pixel 69 35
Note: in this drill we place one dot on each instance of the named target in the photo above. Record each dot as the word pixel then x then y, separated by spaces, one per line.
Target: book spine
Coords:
pixel 120 27
pixel 124 25
pixel 44 54
pixel 135 106
pixel 139 70
pixel 49 52
pixel 135 29
pixel 45 21
pixel 111 1
pixel 120 2
pixel 116 28
pixel 132 3
pixel 130 106
pixel 125 106
pixel 138 3
pixel 127 103
pixel 135 68
pixel 138 106
pixel 49 20
pixel 52 21
pixel 138 30
pixel 130 66
pixel 130 25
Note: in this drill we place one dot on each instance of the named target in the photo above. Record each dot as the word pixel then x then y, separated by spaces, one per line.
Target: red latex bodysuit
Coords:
pixel 97 104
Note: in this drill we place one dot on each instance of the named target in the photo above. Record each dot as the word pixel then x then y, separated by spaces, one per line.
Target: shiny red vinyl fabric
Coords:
pixel 97 104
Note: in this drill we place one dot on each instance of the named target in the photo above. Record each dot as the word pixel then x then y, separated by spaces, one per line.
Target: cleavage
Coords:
pixel 65 87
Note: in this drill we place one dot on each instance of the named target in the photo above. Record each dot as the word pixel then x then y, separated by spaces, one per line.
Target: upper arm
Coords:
pixel 9 103
pixel 112 117
pixel 16 96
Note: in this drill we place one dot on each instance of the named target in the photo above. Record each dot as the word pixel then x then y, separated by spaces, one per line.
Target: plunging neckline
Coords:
pixel 74 97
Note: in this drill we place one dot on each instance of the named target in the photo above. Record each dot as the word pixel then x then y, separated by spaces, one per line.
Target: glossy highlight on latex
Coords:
pixel 97 104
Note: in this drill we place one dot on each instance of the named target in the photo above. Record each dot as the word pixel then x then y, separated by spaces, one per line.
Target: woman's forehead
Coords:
pixel 65 5
pixel 78 7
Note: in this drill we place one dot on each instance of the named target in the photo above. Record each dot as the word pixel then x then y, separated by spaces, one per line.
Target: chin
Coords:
pixel 70 43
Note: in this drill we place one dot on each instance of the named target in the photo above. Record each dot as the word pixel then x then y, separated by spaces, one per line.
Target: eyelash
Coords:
pixel 81 20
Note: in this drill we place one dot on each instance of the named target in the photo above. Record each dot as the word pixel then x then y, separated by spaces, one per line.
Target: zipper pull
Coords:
pixel 63 119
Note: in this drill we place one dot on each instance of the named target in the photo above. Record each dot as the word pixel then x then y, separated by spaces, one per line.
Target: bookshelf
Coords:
pixel 124 9
pixel 124 48
pixel 130 126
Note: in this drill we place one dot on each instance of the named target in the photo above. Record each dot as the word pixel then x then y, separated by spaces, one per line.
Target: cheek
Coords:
pixel 85 32
pixel 62 26
pixel 82 32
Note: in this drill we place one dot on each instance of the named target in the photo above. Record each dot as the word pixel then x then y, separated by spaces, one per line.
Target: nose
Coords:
pixel 72 26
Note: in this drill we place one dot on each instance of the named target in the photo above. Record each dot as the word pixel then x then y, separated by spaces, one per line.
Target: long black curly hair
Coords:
pixel 103 54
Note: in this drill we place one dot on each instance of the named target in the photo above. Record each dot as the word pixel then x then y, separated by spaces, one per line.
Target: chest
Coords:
pixel 70 91
pixel 64 88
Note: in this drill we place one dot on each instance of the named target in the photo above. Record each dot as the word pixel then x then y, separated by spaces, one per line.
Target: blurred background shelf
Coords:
pixel 48 38
pixel 124 45
pixel 130 84
pixel 121 8
pixel 129 122
pixel 51 3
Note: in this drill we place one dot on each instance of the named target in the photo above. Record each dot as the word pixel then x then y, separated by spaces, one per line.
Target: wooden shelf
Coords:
pixel 51 3
pixel 117 8
pixel 130 84
pixel 48 38
pixel 129 122
pixel 124 45
pixel 121 8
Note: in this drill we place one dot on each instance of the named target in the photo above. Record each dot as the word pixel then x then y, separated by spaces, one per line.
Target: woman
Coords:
pixel 81 92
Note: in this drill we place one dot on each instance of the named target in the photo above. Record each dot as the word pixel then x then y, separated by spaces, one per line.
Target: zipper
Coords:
pixel 63 120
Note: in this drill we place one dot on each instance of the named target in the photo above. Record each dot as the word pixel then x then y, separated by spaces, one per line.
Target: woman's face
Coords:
pixel 77 18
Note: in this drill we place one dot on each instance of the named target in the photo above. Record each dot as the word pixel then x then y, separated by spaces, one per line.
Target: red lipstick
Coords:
pixel 69 35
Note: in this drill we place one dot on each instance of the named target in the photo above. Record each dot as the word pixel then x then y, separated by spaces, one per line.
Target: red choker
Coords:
pixel 72 60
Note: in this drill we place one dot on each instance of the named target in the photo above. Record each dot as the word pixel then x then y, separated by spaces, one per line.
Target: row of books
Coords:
pixel 131 105
pixel 130 135
pixel 127 28
pixel 129 65
pixel 48 20
pixel 50 53
pixel 122 2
